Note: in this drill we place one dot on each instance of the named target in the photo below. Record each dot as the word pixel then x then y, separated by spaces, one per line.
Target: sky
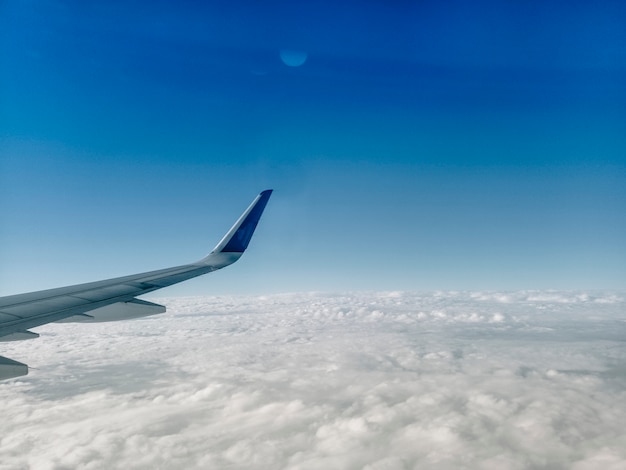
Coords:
pixel 411 145
pixel 483 380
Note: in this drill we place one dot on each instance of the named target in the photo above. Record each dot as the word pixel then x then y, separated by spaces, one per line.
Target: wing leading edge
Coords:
pixel 114 299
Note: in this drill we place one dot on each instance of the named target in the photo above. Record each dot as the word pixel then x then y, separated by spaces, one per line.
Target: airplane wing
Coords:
pixel 114 299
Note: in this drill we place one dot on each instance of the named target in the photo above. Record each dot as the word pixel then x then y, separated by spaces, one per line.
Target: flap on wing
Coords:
pixel 19 336
pixel 78 318
pixel 134 308
pixel 10 368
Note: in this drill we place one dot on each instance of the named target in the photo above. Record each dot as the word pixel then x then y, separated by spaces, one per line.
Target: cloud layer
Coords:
pixel 392 380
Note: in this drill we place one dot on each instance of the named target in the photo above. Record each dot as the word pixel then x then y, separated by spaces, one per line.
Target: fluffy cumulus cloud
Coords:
pixel 377 381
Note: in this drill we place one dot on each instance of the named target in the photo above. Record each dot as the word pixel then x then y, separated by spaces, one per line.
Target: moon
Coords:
pixel 293 58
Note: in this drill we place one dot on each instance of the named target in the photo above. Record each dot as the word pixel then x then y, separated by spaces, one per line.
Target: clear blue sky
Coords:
pixel 437 145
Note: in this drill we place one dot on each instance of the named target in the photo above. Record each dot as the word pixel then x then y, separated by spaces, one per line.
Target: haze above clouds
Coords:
pixel 388 380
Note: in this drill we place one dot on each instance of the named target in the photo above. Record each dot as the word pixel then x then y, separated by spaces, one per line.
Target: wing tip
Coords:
pixel 237 238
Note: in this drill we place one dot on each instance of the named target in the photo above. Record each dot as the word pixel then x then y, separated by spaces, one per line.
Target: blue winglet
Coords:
pixel 244 228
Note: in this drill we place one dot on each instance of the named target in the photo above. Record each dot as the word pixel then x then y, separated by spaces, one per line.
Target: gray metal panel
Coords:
pixel 106 292
pixel 54 304
pixel 5 318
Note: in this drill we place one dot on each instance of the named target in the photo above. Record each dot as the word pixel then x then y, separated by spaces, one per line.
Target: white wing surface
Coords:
pixel 114 299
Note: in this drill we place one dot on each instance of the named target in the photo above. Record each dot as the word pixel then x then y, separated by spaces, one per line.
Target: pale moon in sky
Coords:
pixel 293 58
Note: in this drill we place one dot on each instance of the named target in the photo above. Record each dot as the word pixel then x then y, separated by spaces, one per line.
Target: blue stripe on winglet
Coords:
pixel 240 239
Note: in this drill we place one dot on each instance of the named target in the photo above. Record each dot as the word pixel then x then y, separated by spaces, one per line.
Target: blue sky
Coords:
pixel 431 145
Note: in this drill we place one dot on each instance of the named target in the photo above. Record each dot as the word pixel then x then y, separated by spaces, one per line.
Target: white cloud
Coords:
pixel 307 381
